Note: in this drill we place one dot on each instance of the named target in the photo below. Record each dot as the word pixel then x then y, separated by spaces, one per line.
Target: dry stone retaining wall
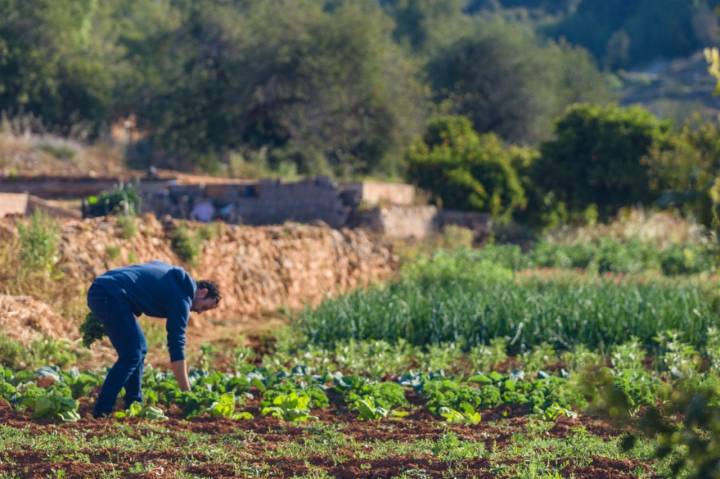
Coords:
pixel 258 268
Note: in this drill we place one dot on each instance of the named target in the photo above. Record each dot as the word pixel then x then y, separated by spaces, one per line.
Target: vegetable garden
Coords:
pixel 468 365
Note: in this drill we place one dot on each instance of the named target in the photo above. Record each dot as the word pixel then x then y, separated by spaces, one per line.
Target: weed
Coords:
pixel 112 251
pixel 127 225
pixel 185 244
pixel 39 240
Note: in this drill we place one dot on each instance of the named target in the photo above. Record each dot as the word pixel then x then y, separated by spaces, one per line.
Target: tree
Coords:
pixel 465 171
pixel 328 91
pixel 420 24
pixel 508 83
pixel 55 62
pixel 598 157
pixel 640 30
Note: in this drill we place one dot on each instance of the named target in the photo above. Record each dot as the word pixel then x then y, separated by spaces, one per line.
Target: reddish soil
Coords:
pixel 496 430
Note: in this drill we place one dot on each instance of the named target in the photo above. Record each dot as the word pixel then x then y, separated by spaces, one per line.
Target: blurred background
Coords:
pixel 541 111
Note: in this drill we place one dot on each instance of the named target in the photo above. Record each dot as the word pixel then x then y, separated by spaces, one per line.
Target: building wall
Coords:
pixel 371 193
pixel 13 204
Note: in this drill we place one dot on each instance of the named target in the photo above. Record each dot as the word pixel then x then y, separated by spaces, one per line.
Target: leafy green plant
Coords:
pixel 123 200
pixel 371 400
pixel 467 415
pixel 225 407
pixel 293 406
pixel 185 244
pixel 486 357
pixel 142 411
pixel 92 329
pixel 127 225
pixel 450 447
pixel 39 241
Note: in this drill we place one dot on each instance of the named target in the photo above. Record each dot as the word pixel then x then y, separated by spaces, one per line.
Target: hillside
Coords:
pixel 673 89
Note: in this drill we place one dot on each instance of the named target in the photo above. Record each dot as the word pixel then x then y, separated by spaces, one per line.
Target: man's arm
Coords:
pixel 175 326
pixel 179 369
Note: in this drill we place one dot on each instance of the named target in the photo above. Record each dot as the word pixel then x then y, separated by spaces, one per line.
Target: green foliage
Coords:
pixel 293 406
pixel 58 62
pixel 605 255
pixel 684 172
pixel 123 200
pixel 91 329
pixel 128 226
pixel 112 252
pixel 142 411
pixel 465 171
pixel 421 25
pixel 463 297
pixel 503 78
pixel 625 33
pixel 325 90
pixel 486 357
pixel 185 244
pixel 592 144
pixel 452 448
pixel 39 241
pixel 372 400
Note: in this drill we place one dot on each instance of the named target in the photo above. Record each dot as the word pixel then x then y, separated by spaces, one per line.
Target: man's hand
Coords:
pixel 180 371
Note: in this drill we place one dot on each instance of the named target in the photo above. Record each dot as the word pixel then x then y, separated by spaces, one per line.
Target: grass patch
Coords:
pixel 39 239
pixel 127 225
pixel 185 244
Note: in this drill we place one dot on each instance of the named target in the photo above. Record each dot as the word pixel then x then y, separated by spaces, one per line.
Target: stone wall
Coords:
pixel 258 268
pixel 371 193
pixel 418 222
pixel 13 204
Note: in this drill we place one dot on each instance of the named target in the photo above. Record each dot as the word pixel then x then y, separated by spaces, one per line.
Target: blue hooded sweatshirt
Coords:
pixel 155 289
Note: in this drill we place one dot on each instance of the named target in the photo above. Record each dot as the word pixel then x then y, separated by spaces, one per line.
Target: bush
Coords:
pixel 127 225
pixel 465 171
pixel 123 200
pixel 597 158
pixel 39 240
pixel 185 244
pixel 685 172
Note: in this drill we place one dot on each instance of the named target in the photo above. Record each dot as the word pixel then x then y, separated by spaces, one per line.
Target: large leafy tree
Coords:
pixel 509 83
pixel 327 90
pixel 422 24
pixel 54 63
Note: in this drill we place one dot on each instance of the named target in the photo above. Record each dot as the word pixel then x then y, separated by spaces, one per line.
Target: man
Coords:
pixel 155 289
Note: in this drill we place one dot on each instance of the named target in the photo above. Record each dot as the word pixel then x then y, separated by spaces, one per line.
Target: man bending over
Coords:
pixel 156 289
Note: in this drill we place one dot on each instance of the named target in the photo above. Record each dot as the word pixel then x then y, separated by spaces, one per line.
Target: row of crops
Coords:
pixel 470 298
pixel 375 380
pixel 458 337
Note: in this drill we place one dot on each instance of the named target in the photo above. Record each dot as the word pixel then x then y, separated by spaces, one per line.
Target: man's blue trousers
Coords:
pixel 128 339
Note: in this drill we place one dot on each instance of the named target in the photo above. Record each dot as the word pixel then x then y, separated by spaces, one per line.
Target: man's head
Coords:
pixel 207 296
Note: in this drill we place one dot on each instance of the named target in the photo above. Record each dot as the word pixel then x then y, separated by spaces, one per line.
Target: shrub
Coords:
pixel 185 244
pixel 685 173
pixel 112 251
pixel 127 225
pixel 124 199
pixel 39 241
pixel 465 171
pixel 597 158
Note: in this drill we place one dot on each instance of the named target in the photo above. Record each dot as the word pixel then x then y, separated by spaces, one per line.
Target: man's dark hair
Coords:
pixel 213 291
